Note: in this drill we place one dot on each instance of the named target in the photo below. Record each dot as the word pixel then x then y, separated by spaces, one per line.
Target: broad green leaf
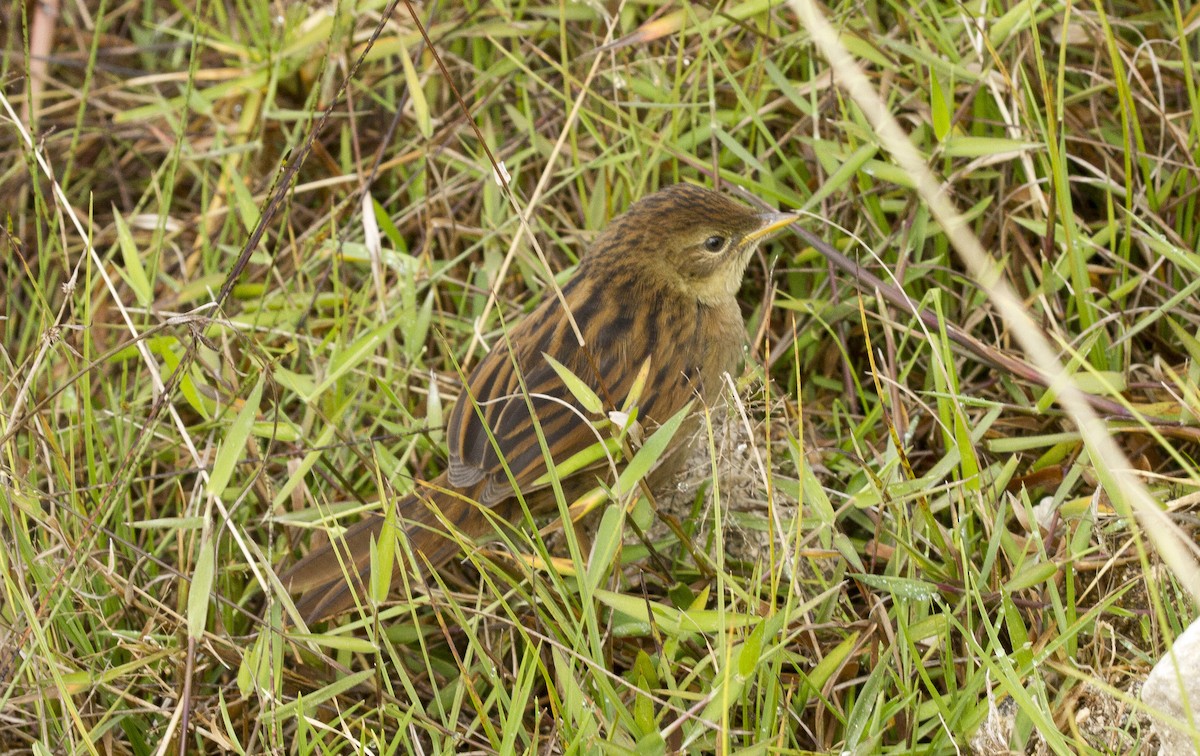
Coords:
pixel 581 460
pixel 310 702
pixel 243 200
pixel 518 699
pixel 647 456
pixel 383 557
pixel 402 263
pixel 605 545
pixel 1031 575
pixel 634 398
pixel 349 643
pixel 866 707
pixel 643 718
pixel 831 662
pixel 283 431
pixel 915 590
pixel 1102 382
pixel 349 358
pixel 861 47
pixel 171 523
pixel 744 658
pixel 751 653
pixel 302 386
pixel 1001 30
pixel 201 589
pixel 670 620
pixel 844 173
pixel 387 228
pixel 261 667
pixel 973 147
pixel 1187 339
pixel 416 94
pixel 135 274
pixel 580 390
pixel 234 444
pixel 940 106
pixel 888 173
pixel 205 97
pixel 247 673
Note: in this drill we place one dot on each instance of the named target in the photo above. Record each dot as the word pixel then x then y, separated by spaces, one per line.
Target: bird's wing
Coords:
pixel 495 396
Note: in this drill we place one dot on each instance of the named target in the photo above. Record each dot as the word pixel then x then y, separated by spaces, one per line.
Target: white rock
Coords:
pixel 1172 689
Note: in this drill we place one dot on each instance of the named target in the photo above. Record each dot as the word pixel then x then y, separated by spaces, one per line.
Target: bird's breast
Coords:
pixel 689 345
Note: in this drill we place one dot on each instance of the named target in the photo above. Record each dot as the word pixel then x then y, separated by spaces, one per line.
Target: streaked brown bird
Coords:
pixel 660 282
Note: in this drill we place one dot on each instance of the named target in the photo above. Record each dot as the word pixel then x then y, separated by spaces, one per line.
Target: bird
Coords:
pixel 659 283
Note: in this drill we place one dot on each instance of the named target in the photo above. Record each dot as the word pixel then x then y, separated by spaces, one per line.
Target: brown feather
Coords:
pixel 649 288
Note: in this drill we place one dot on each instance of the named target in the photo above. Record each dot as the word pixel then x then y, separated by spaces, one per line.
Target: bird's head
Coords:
pixel 694 239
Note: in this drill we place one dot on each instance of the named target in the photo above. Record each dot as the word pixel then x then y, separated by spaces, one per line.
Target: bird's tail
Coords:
pixel 330 577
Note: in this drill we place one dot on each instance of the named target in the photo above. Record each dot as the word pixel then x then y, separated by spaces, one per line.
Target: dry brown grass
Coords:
pixel 892 569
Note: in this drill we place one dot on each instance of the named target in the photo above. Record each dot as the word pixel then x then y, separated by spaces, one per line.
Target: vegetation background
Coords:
pixel 905 547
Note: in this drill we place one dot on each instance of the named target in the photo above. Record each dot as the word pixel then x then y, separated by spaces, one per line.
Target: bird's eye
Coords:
pixel 714 243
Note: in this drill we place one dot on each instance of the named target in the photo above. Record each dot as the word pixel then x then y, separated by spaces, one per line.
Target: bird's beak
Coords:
pixel 770 223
